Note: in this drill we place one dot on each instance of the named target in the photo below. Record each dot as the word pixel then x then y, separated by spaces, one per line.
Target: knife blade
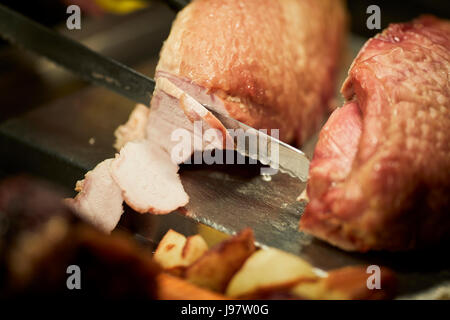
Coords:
pixel 100 70
pixel 277 154
pixel 75 57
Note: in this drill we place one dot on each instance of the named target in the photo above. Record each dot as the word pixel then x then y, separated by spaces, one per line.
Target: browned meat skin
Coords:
pixel 380 177
pixel 268 63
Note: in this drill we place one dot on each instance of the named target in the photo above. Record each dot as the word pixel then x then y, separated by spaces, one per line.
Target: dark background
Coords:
pixel 52 12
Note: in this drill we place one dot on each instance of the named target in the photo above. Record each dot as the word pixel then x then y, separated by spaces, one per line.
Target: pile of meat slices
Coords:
pixel 380 175
pixel 144 173
pixel 219 54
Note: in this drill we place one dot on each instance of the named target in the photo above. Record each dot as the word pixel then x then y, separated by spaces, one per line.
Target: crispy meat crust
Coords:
pixel 273 63
pixel 394 193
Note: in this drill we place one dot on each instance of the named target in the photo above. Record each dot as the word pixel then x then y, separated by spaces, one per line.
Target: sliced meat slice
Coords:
pixel 134 129
pixel 146 170
pixel 144 174
pixel 201 94
pixel 380 176
pixel 99 200
pixel 148 178
pixel 173 113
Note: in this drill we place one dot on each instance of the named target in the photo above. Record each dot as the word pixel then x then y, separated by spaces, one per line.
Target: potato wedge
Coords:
pixel 348 283
pixel 269 268
pixel 352 282
pixel 174 288
pixel 169 251
pixel 194 248
pixel 218 265
pixel 175 250
pixel 317 291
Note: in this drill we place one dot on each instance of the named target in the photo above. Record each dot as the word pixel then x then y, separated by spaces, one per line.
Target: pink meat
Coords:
pixel 335 150
pixel 144 173
pixel 380 176
pixel 134 129
pixel 277 75
pixel 173 110
pixel 148 178
pixel 99 199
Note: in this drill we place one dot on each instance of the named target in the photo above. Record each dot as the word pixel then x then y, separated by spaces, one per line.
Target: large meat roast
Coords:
pixel 380 176
pixel 271 64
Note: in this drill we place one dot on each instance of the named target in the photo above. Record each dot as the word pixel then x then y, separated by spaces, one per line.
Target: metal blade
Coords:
pixel 74 56
pixel 280 155
pixel 123 80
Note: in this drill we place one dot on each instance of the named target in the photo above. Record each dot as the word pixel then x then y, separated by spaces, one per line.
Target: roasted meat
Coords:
pixel 271 64
pixel 99 199
pixel 380 176
pixel 148 178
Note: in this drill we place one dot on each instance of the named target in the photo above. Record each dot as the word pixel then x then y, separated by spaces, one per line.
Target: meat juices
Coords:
pixel 380 176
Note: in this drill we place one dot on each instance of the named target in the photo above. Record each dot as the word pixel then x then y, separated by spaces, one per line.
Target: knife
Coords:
pixel 127 82
pixel 227 198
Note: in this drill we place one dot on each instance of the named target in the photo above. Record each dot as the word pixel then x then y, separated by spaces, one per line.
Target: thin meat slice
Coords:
pixel 173 114
pixel 146 170
pixel 144 173
pixel 148 178
pixel 99 199
pixel 380 176
pixel 134 129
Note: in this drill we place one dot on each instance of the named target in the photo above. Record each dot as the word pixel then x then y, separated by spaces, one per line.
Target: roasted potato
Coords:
pixel 217 266
pixel 269 269
pixel 237 269
pixel 177 251
pixel 349 283
pixel 316 290
pixel 174 288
